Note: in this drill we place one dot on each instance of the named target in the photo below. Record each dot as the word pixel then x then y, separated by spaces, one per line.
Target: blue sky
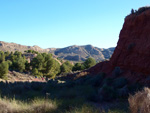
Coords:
pixel 62 23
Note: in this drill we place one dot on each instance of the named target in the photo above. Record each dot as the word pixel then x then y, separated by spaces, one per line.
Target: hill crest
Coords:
pixel 73 53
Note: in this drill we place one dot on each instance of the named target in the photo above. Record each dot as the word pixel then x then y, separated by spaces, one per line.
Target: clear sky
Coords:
pixel 62 23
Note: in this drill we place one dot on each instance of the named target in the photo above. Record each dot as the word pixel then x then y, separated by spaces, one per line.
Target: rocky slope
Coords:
pixel 72 53
pixel 4 46
pixel 131 56
pixel 80 53
pixel 132 51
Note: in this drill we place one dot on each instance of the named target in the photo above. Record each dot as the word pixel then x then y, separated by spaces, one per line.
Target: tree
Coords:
pixel 78 66
pixel 35 72
pixel 46 65
pixel 18 62
pixel 27 66
pixel 3 69
pixel 52 68
pixel 38 62
pixel 31 51
pixel 66 67
pixel 89 62
pixel 2 56
pixel 18 54
pixel 9 63
pixel 21 64
pixel 7 55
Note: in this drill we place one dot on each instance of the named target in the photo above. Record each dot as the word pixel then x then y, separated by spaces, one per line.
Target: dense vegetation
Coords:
pixel 62 95
pixel 42 64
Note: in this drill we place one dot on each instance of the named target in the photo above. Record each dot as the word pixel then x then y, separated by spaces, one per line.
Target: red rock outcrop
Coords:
pixel 132 54
pixel 133 48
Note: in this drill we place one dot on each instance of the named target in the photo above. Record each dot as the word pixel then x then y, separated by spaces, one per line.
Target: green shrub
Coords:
pixel 89 62
pixel 95 80
pixel 119 82
pixel 123 92
pixel 78 66
pixel 106 93
pixel 66 67
pixel 3 69
pixel 134 87
pixel 132 11
pixel 107 81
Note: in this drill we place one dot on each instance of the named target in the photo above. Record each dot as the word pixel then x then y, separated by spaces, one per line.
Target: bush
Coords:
pixel 66 67
pixel 3 69
pixel 108 81
pixel 78 66
pixel 119 82
pixel 95 80
pixel 140 102
pixel 89 63
pixel 123 92
pixel 107 93
pixel 132 11
pixel 134 87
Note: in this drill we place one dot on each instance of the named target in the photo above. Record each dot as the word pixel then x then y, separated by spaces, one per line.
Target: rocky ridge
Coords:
pixel 4 46
pixel 131 56
pixel 80 53
pixel 72 53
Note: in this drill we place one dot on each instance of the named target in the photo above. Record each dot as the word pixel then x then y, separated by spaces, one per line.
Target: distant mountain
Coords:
pixel 4 46
pixel 72 53
pixel 80 53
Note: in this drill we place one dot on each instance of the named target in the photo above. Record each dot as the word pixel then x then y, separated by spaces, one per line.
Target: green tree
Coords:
pixel 46 65
pixel 89 62
pixel 78 66
pixel 31 51
pixel 9 63
pixel 20 64
pixel 18 54
pixel 27 66
pixel 35 72
pixel 2 56
pixel 3 69
pixel 52 68
pixel 7 55
pixel 66 67
pixel 38 62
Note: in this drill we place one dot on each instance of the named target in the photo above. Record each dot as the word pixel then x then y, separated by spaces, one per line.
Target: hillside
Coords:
pixel 80 53
pixel 4 46
pixel 131 56
pixel 72 53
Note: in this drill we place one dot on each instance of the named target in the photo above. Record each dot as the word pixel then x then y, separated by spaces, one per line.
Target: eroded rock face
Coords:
pixel 133 48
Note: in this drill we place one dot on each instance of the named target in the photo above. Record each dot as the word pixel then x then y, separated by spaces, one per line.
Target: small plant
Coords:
pixel 132 11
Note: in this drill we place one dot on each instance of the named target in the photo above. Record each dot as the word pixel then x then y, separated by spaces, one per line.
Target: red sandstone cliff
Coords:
pixel 133 48
pixel 132 53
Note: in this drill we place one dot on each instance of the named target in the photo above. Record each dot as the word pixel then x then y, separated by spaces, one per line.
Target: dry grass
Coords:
pixel 140 102
pixel 84 109
pixel 36 106
pixel 49 106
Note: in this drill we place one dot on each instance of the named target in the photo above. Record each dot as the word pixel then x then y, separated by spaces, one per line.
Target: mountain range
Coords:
pixel 72 53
